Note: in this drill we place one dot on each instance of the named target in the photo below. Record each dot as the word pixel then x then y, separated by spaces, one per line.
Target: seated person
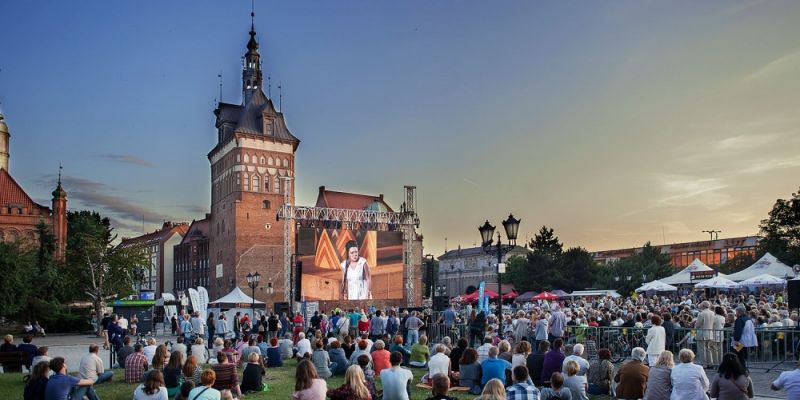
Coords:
pixel 440 385
pixel 338 361
pixel 420 353
pixel 252 377
pixel 225 374
pixel 29 351
pixel 274 356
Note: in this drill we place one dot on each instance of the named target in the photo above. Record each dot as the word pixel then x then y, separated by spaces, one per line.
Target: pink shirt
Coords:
pixel 317 391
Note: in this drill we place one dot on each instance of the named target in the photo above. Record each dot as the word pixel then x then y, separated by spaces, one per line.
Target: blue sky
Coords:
pixel 613 122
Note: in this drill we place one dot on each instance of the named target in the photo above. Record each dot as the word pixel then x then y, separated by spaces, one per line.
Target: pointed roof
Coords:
pixel 767 264
pixel 350 201
pixel 11 193
pixel 718 282
pixel 685 275
pixel 236 296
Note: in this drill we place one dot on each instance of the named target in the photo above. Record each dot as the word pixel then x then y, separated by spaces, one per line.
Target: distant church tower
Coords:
pixel 254 152
pixel 5 137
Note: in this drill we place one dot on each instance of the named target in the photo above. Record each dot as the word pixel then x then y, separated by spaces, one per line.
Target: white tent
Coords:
pixel 657 286
pixel 685 275
pixel 767 264
pixel 763 280
pixel 718 282
pixel 236 296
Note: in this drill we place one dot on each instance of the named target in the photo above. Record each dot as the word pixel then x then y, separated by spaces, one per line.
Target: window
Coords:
pixel 277 185
pixel 266 183
pixel 256 183
pixel 270 161
pixel 285 163
pixel 238 158
pixel 262 160
pixel 246 181
pixel 265 204
pixel 238 178
pixel 246 159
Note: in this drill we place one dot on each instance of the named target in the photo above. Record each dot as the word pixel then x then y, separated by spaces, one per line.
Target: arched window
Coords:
pixel 238 158
pixel 246 159
pixel 256 183
pixel 266 183
pixel 262 160
pixel 246 181
pixel 265 204
pixel 285 163
pixel 238 179
pixel 277 185
pixel 269 161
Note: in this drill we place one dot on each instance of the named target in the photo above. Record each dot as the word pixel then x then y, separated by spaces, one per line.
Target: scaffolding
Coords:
pixel 405 221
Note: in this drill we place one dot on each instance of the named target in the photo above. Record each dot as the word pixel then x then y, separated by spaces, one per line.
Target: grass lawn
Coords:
pixel 280 381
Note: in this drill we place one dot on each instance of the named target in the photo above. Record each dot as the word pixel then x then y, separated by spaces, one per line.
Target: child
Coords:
pixel 440 385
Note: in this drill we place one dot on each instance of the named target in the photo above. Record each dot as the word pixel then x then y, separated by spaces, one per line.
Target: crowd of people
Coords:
pixel 539 352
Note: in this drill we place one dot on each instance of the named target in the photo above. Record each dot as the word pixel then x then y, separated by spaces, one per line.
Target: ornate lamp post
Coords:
pixel 511 226
pixel 252 281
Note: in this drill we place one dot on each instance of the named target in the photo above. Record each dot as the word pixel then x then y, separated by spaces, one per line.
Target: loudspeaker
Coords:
pixel 298 280
pixel 281 308
pixel 793 291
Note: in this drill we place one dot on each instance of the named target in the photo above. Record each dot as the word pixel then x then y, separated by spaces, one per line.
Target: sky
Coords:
pixel 615 122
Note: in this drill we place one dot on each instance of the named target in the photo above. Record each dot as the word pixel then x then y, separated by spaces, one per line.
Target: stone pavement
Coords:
pixel 73 347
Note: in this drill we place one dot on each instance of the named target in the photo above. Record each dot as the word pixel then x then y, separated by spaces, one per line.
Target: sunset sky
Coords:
pixel 615 123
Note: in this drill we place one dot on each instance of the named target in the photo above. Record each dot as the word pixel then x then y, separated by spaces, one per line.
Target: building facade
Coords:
pixel 159 246
pixel 252 172
pixel 19 214
pixel 710 252
pixel 191 257
pixel 462 268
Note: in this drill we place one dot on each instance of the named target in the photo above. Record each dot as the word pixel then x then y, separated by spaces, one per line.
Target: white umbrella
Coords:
pixel 657 286
pixel 763 280
pixel 718 282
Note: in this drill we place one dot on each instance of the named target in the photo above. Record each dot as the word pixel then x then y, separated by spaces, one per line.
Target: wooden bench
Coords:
pixel 11 361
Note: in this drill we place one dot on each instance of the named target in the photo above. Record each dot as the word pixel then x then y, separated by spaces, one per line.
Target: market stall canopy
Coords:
pixel 525 297
pixel 595 293
pixel 767 264
pixel 545 296
pixel 560 293
pixel 763 280
pixel 718 282
pixel 657 286
pixel 510 296
pixel 236 296
pixel 473 297
pixel 685 275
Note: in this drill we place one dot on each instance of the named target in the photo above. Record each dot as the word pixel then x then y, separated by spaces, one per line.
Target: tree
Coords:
pixel 780 233
pixel 737 263
pixel 629 273
pixel 99 269
pixel 16 265
pixel 576 270
pixel 545 242
pixel 44 283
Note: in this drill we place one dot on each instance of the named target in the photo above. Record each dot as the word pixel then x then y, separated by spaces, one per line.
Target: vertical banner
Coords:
pixel 486 304
pixel 311 307
pixel 481 288
pixel 169 310
pixel 195 298
pixel 203 302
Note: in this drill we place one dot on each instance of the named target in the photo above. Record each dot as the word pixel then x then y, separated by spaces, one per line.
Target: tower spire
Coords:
pixel 251 73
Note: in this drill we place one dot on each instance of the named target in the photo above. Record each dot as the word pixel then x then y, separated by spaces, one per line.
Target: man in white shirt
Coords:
pixel 439 362
pixel 180 347
pixel 790 382
pixel 303 345
pixel 198 325
pixel 123 323
pixel 91 366
pixel 483 350
pixel 577 352
pixel 396 380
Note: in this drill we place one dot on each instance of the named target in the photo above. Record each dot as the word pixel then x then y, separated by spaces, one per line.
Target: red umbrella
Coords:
pixel 510 296
pixel 473 297
pixel 545 296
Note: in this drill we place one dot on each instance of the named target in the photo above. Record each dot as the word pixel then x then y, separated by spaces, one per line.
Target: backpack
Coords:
pixel 391 325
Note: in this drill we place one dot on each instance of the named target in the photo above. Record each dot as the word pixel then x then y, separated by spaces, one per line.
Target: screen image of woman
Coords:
pixel 356 280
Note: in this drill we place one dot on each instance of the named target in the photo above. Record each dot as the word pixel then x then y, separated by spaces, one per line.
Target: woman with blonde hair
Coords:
pixel 577 384
pixel 494 390
pixel 659 381
pixel 200 350
pixel 353 386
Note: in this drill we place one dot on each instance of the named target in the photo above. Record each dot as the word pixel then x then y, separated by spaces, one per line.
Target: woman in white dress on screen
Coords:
pixel 356 280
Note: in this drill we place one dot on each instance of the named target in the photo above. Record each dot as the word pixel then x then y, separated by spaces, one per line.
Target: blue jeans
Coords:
pixel 80 391
pixel 104 377
pixel 413 337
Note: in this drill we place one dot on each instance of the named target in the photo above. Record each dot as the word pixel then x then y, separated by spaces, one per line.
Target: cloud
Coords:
pixel 764 165
pixel 128 159
pixel 193 208
pixel 786 64
pixel 747 142
pixel 473 183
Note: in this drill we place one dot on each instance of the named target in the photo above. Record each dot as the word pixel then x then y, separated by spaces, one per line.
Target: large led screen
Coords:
pixel 342 264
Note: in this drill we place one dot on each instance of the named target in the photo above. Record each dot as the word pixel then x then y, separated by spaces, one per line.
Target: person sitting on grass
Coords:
pixel 470 371
pixel 253 374
pixel 37 382
pixel 556 391
pixel 396 380
pixel 362 349
pixel 124 351
pixel 173 372
pixel 398 346
pixel 420 353
pixel 307 384
pixel 60 386
pixel 200 350
pixel 230 352
pixel 494 367
pixel 494 390
pixel 152 389
pixel 206 391
pixel 440 385
pixel 339 363
pixel 225 374
pixel 186 388
pixel 369 374
pixel 41 355
pixel 523 387
pixel 287 346
pixel 274 356
pixel 353 388
pixel 321 360
pixel 135 365
pixel 380 357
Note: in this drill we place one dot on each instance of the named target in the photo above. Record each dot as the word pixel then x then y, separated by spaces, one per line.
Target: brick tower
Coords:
pixel 254 154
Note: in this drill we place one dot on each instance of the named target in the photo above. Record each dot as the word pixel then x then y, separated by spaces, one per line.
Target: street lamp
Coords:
pixel 252 281
pixel 511 226
pixel 431 279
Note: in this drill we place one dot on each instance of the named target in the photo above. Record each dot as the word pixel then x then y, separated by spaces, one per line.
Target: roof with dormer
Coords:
pixel 351 201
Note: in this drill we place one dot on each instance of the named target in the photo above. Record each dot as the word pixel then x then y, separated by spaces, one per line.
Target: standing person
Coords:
pixel 396 380
pixel 173 323
pixel 731 381
pixel 669 330
pixel 211 326
pixel 299 324
pixel 521 327
pixel 744 335
pixel 689 380
pixel 392 324
pixel 557 323
pixel 186 327
pixel 133 324
pixel 413 324
pixel 198 326
pixel 237 325
pixel 307 384
pixel 356 278
pixel 656 340
pixel 272 325
pixel 704 326
pixel 60 385
pixel 377 326
pixel 449 317
pixel 353 387
pixel 91 366
pixel 221 326
pixel 719 334
pixel 477 327
pixel 541 330
pixel 659 380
